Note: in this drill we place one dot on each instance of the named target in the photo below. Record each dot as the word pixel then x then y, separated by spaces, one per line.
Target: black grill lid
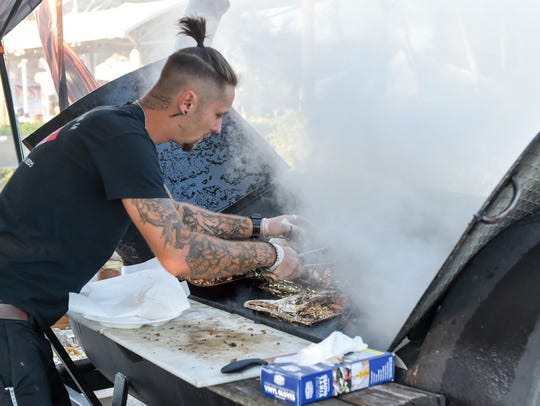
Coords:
pixel 516 196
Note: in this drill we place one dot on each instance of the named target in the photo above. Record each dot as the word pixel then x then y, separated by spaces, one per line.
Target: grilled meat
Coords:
pixel 305 308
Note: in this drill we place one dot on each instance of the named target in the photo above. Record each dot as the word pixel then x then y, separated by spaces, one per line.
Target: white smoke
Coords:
pixel 414 109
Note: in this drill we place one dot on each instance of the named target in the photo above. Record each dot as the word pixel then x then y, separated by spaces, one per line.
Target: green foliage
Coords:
pixel 24 128
pixel 286 133
pixel 5 174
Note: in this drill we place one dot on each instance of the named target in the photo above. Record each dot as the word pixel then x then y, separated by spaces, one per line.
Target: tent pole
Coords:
pixel 9 104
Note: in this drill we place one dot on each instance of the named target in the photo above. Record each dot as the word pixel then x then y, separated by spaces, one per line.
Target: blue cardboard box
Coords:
pixel 298 385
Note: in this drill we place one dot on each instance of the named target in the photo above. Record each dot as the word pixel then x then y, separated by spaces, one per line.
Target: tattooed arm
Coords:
pixel 227 226
pixel 191 254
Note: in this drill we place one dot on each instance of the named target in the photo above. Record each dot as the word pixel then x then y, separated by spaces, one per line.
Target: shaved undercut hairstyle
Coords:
pixel 198 62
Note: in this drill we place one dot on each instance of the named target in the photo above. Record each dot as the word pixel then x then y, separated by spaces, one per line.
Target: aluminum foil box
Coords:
pixel 299 385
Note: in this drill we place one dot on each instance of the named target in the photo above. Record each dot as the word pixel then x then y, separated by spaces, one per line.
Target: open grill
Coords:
pixel 234 173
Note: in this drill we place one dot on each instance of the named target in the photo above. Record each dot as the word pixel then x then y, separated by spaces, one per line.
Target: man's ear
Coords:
pixel 188 101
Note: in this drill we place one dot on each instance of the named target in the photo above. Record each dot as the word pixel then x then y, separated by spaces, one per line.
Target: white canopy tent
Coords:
pixel 114 23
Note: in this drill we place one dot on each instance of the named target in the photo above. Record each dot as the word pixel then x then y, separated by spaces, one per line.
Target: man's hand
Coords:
pixel 288 226
pixel 290 267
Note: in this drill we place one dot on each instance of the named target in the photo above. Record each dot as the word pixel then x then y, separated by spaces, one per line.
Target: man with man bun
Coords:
pixel 72 199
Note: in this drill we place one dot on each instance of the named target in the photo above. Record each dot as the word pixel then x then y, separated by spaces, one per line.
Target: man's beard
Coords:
pixel 188 147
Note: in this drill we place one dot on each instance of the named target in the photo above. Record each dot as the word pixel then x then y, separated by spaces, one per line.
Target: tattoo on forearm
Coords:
pixel 218 225
pixel 154 212
pixel 207 257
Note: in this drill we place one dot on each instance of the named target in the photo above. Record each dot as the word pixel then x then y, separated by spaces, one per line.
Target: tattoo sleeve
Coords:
pixel 226 226
pixel 207 257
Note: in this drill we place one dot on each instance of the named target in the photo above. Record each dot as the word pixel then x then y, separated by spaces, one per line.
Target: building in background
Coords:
pixel 110 37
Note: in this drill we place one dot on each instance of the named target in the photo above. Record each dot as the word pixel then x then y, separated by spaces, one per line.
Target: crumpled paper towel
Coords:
pixel 335 344
pixel 152 263
pixel 146 295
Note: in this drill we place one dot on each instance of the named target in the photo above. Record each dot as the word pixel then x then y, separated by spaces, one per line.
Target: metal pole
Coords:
pixel 71 368
pixel 63 99
pixel 9 104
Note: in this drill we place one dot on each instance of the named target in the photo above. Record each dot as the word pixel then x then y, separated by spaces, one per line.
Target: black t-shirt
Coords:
pixel 61 216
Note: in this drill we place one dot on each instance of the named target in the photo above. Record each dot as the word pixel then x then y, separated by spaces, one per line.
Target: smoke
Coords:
pixel 414 112
pixel 387 237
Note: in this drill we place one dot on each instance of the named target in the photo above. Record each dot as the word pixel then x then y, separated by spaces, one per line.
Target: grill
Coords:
pixel 234 173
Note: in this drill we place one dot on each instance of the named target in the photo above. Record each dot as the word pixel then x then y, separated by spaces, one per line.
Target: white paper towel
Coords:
pixel 335 344
pixel 152 263
pixel 148 296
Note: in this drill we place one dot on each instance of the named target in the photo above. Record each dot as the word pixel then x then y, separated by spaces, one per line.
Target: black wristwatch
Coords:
pixel 256 220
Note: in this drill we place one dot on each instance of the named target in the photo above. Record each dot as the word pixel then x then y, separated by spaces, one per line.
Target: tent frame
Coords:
pixel 7 88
